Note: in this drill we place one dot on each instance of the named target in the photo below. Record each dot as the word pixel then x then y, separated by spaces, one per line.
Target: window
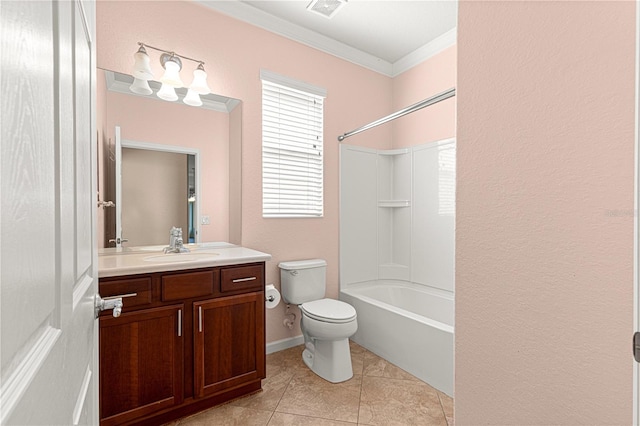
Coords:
pixel 292 137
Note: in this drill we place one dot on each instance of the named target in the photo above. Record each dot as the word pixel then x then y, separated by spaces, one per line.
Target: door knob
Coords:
pixel 114 303
pixel 118 240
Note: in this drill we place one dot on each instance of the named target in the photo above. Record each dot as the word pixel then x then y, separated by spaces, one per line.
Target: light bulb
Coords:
pixel 168 93
pixel 140 87
pixel 199 83
pixel 172 66
pixel 192 98
pixel 142 66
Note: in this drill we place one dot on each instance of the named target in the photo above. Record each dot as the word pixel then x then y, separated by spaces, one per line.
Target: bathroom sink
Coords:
pixel 179 257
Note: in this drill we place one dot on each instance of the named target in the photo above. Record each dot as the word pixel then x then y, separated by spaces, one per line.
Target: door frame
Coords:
pixel 636 223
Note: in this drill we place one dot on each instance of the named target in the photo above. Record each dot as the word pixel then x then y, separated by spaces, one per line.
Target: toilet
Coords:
pixel 326 324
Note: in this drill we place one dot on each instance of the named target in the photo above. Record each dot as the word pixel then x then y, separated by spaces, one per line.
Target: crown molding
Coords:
pixel 266 21
pixel 425 52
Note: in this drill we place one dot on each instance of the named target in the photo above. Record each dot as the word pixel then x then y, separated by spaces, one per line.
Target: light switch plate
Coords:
pixel 205 220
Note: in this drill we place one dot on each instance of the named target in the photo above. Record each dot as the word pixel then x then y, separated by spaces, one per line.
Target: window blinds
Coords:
pixel 292 138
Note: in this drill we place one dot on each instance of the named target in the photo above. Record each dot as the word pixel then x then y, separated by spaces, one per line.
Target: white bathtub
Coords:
pixel 409 325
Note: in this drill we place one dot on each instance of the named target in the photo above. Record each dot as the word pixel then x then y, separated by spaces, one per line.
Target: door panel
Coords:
pixel 228 342
pixel 83 137
pixel 28 191
pixel 142 363
pixel 48 270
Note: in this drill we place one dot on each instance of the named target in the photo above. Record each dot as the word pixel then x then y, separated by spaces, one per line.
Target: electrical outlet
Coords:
pixel 205 220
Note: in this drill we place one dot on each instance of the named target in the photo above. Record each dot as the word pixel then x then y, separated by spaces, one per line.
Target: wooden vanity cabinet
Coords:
pixel 187 341
pixel 228 342
pixel 141 363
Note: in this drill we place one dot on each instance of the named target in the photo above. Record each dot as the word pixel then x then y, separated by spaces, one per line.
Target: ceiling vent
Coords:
pixel 326 8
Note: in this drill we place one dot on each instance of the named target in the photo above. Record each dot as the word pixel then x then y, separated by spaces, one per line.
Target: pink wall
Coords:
pixel 429 78
pixel 168 123
pixel 234 52
pixel 544 247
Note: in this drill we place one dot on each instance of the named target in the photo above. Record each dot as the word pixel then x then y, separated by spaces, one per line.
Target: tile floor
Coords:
pixel 378 394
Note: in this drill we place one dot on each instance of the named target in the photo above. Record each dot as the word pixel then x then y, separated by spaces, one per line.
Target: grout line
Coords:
pixel 270 417
pixel 293 375
pixel 360 400
pixel 283 393
pixel 361 383
pixel 318 418
pixel 442 407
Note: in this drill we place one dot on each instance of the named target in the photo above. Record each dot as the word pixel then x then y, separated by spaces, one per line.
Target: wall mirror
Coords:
pixel 166 164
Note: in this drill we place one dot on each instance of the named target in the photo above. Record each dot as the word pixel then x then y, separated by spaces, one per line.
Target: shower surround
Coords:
pixel 397 214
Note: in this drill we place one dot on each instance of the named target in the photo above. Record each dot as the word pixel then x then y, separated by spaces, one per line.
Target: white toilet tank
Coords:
pixel 303 280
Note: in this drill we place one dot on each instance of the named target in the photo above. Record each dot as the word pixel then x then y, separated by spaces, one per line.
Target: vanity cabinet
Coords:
pixel 228 342
pixel 141 363
pixel 185 341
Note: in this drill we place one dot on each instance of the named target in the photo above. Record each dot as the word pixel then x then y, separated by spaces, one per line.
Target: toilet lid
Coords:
pixel 329 310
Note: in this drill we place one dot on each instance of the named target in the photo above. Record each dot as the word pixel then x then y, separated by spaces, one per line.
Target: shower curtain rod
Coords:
pixel 408 110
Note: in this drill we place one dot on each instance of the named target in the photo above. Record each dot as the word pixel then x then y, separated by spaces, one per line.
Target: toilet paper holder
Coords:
pixel 271 296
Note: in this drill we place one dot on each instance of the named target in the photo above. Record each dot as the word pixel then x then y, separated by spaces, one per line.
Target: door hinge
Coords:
pixel 636 346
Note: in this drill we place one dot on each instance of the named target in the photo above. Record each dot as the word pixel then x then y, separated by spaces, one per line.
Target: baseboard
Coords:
pixel 280 345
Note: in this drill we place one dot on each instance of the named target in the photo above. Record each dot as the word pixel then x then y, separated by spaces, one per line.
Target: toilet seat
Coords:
pixel 329 310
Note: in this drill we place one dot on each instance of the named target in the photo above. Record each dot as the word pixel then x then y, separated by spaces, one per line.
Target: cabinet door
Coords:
pixel 141 363
pixel 228 342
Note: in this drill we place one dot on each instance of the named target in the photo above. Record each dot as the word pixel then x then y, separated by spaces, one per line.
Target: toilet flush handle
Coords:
pixel 294 272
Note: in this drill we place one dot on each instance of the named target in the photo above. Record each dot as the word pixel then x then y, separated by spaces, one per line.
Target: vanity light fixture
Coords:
pixel 172 64
pixel 141 87
pixel 199 83
pixel 142 65
pixel 198 87
pixel 167 93
pixel 192 98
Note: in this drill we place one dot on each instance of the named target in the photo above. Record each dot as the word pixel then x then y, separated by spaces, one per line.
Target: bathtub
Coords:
pixel 409 325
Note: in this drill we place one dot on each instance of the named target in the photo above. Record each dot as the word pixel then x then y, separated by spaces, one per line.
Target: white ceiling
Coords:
pixel 388 36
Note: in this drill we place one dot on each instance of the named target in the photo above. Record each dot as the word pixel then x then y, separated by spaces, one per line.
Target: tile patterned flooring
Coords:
pixel 378 394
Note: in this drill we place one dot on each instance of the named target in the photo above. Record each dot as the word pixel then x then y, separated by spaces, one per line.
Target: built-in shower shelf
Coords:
pixel 394 271
pixel 394 151
pixel 394 203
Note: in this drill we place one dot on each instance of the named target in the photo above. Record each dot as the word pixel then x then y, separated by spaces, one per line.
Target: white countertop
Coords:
pixel 114 262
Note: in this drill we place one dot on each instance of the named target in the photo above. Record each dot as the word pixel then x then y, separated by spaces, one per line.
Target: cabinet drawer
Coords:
pixel 242 278
pixel 141 287
pixel 187 285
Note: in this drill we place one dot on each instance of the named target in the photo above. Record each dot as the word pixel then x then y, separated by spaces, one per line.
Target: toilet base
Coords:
pixel 329 359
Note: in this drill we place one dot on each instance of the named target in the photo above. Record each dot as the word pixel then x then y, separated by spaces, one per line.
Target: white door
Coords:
pixel 48 213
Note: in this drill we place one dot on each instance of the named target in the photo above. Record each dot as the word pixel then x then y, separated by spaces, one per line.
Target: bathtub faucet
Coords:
pixel 176 242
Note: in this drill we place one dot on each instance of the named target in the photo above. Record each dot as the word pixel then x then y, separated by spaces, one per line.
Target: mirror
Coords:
pixel 204 144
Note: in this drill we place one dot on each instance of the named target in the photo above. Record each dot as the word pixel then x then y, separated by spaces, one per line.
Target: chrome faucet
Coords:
pixel 175 242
